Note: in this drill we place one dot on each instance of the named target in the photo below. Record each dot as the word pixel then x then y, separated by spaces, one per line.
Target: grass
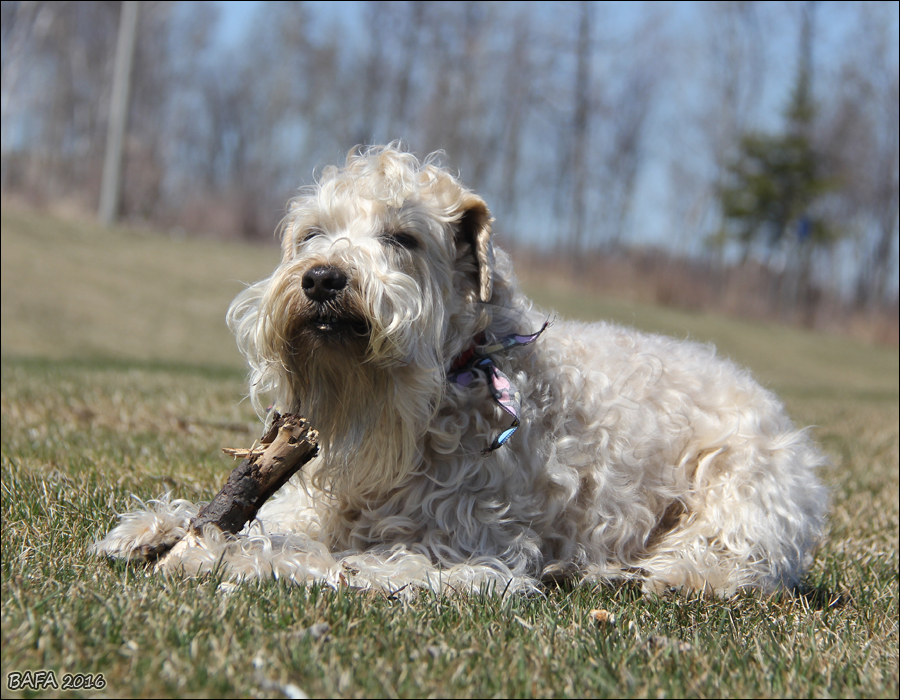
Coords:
pixel 119 378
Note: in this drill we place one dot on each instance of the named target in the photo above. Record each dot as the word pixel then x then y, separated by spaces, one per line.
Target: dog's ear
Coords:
pixel 474 228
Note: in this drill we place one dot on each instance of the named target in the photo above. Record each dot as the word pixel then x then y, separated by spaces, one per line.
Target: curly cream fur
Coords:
pixel 638 456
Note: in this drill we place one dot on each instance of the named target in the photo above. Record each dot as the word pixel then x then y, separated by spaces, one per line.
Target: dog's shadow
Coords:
pixel 821 597
pixel 812 597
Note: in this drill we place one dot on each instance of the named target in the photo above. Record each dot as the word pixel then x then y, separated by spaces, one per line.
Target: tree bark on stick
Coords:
pixel 289 444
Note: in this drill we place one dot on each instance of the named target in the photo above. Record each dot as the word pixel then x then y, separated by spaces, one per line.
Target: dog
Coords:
pixel 468 440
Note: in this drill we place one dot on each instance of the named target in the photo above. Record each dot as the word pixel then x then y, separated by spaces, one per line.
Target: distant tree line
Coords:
pixel 563 114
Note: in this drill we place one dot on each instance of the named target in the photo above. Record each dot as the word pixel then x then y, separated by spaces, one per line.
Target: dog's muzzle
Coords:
pixel 325 287
pixel 323 283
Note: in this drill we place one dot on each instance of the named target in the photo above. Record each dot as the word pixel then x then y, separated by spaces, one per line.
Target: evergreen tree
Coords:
pixel 775 184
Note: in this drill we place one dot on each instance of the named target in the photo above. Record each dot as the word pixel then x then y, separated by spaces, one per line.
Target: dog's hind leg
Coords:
pixel 753 519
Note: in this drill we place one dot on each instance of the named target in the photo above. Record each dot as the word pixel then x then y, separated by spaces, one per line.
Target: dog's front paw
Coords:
pixel 147 534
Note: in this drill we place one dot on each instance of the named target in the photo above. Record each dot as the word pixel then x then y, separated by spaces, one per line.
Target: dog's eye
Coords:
pixel 401 240
pixel 312 233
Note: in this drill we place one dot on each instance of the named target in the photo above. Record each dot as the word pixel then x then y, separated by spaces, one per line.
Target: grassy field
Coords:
pixel 119 379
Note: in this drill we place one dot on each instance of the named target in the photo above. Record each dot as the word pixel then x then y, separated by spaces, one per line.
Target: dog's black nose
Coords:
pixel 323 282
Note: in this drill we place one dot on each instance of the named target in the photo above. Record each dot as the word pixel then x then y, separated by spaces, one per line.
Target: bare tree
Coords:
pixel 514 104
pixel 58 62
pixel 732 65
pixel 580 145
pixel 860 138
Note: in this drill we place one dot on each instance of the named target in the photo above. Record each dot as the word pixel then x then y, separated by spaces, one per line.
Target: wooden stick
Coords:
pixel 289 444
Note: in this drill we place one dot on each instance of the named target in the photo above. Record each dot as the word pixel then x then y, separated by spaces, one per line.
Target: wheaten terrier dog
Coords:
pixel 466 442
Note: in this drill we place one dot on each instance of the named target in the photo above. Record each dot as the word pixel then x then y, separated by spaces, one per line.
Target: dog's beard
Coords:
pixel 369 432
pixel 370 388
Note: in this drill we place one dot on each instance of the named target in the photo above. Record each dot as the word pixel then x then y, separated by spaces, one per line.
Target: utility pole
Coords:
pixel 110 189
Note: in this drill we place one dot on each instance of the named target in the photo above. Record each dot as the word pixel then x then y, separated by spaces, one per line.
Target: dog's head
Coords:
pixel 387 265
pixel 377 259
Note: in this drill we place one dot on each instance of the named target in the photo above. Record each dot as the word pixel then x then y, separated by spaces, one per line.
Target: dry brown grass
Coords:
pixel 747 291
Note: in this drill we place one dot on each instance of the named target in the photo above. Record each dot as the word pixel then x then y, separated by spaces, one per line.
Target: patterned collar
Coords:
pixel 477 358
